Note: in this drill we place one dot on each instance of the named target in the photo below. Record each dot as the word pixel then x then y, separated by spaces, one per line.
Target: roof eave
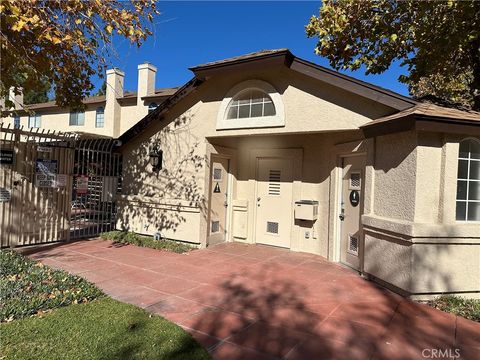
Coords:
pixel 348 83
pixel 284 57
pixel 420 122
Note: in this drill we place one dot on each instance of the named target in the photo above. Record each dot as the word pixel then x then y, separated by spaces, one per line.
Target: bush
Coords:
pixel 28 287
pixel 467 308
pixel 123 237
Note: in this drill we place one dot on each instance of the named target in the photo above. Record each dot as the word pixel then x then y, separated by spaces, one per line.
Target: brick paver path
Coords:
pixel 258 302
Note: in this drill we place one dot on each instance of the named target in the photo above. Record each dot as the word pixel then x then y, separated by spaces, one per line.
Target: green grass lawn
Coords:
pixel 51 314
pixel 101 329
pixel 123 237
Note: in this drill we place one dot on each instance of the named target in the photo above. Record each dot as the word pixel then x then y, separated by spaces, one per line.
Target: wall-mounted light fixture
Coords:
pixel 156 159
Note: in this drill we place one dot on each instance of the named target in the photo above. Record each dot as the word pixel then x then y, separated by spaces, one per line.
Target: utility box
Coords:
pixel 306 210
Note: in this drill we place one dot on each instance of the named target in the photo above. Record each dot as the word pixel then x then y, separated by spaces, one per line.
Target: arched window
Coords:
pixel 250 103
pixel 152 106
pixel 100 117
pixel 468 181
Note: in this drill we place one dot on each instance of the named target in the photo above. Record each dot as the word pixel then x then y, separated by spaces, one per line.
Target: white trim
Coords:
pixel 277 120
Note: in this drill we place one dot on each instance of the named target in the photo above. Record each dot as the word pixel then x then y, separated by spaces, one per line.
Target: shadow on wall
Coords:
pixel 421 268
pixel 159 199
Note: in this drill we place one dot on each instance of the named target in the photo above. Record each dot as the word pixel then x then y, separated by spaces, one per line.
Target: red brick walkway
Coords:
pixel 257 302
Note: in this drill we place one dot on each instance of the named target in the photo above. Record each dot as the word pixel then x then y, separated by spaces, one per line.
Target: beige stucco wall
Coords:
pixel 310 107
pixel 412 239
pixel 58 118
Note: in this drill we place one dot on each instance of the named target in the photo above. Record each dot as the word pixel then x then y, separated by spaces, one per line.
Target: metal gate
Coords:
pixel 55 186
pixel 35 186
pixel 96 182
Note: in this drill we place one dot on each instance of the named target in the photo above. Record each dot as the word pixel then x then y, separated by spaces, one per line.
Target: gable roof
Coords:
pixel 421 117
pixel 348 83
pixel 276 56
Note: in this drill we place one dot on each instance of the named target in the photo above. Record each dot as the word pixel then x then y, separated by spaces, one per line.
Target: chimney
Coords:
pixel 115 81
pixel 146 81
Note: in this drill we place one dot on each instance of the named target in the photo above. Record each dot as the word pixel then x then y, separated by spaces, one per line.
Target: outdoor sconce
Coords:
pixel 156 159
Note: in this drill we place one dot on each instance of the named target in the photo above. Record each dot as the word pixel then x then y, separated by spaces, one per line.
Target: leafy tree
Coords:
pixel 65 42
pixel 103 89
pixel 37 95
pixel 438 42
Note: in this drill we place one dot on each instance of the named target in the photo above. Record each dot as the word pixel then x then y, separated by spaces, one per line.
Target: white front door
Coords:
pixel 218 200
pixel 351 240
pixel 274 201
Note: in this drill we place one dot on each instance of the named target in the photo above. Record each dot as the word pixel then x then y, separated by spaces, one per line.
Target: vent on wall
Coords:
pixel 272 227
pixel 355 181
pixel 217 174
pixel 353 245
pixel 215 226
pixel 274 182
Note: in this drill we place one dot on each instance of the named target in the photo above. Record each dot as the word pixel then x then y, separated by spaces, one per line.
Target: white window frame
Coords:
pixel 35 121
pixel 277 120
pixel 76 117
pixel 97 113
pixel 467 201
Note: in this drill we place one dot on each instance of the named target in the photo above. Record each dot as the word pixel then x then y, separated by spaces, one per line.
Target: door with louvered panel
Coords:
pixel 351 209
pixel 218 200
pixel 274 201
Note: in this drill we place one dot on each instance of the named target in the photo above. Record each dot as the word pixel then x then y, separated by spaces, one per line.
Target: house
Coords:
pixel 107 115
pixel 271 149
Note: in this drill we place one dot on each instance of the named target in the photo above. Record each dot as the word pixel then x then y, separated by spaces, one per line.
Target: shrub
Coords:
pixel 467 308
pixel 28 287
pixel 123 237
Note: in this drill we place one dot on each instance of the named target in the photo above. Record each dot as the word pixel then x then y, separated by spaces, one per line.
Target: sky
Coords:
pixel 188 33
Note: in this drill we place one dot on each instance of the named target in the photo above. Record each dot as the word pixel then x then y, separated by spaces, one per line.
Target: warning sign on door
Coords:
pixel 217 188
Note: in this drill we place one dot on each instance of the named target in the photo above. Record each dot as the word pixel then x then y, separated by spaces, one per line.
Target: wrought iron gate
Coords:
pixel 96 182
pixel 55 186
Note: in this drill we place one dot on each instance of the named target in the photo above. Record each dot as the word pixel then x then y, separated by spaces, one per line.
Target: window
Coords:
pixel 468 181
pixel 100 117
pixel 249 104
pixel 152 106
pixel 34 121
pixel 16 122
pixel 77 118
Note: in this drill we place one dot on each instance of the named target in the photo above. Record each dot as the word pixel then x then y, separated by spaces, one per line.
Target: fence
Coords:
pixel 55 186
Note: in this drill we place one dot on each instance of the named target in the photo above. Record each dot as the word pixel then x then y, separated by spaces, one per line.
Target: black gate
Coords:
pixel 96 182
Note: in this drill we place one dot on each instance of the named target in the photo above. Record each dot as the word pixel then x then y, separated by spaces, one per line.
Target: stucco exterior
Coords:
pixel 121 109
pixel 412 242
pixel 405 234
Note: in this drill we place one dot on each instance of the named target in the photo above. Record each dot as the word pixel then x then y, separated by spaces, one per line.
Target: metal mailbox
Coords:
pixel 306 210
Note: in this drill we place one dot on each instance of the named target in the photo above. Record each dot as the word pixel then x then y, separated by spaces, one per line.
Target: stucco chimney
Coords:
pixel 146 81
pixel 115 81
pixel 114 91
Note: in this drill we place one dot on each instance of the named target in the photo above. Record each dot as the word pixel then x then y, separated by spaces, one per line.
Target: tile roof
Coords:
pixel 427 109
pixel 249 56
pixel 101 98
